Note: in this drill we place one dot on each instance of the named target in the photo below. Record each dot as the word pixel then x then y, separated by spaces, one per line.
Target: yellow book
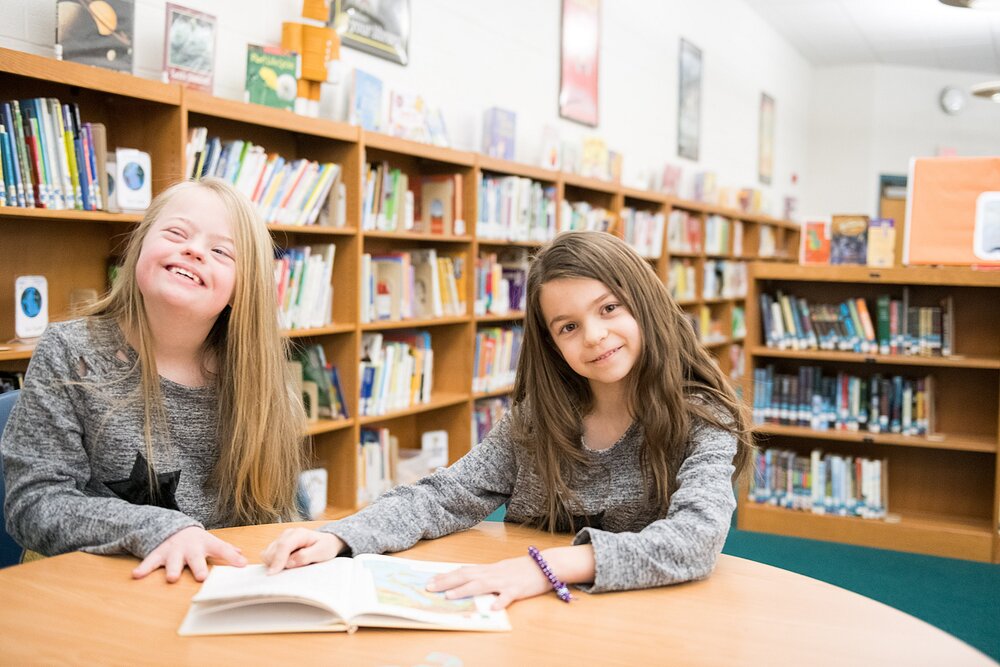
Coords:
pixel 881 242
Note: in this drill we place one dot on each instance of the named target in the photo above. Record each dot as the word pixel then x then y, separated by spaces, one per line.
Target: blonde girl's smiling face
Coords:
pixel 592 329
pixel 188 260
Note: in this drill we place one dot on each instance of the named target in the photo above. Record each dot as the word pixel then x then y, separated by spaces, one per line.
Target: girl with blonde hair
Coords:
pixel 166 409
pixel 623 431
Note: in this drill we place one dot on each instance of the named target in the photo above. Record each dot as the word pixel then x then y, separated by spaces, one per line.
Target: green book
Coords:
pixel 882 317
pixel 272 76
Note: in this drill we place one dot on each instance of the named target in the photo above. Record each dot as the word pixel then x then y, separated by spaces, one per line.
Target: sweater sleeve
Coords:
pixel 447 501
pixel 686 543
pixel 49 507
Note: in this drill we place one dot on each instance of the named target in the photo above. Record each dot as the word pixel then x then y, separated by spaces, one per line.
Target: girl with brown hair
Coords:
pixel 166 409
pixel 623 430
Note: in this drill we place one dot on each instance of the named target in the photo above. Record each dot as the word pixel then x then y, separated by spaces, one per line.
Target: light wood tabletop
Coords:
pixel 84 609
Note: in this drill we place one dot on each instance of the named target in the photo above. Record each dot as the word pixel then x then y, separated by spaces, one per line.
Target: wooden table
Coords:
pixel 84 609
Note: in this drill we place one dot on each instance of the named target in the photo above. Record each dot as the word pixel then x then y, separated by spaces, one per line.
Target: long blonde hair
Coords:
pixel 674 379
pixel 260 425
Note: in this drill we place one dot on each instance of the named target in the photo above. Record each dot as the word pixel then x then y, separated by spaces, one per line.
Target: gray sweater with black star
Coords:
pixel 634 545
pixel 75 434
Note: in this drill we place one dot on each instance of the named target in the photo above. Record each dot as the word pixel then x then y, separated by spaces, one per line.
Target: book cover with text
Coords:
pixel 96 33
pixel 189 47
pixel 272 76
pixel 849 239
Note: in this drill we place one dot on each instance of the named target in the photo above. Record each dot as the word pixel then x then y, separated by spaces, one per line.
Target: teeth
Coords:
pixel 187 274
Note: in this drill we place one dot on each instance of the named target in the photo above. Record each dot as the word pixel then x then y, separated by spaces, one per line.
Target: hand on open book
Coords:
pixel 189 547
pixel 511 579
pixel 300 546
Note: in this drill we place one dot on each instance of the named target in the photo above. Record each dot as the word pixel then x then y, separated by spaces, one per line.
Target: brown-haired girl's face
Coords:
pixel 595 333
pixel 188 257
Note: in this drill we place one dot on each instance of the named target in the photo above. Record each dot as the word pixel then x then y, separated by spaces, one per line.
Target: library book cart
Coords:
pixel 942 484
pixel 73 248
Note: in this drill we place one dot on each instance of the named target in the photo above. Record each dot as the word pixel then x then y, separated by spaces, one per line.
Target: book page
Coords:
pixel 388 589
pixel 325 584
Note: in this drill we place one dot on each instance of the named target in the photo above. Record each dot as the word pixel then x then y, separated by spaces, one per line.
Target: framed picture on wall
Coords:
pixel 688 100
pixel 765 150
pixel 379 27
pixel 580 41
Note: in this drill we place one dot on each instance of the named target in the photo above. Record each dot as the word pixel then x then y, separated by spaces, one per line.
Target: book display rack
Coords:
pixel 913 421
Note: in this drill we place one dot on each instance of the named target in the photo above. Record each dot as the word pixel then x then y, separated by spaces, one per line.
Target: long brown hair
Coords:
pixel 260 425
pixel 673 381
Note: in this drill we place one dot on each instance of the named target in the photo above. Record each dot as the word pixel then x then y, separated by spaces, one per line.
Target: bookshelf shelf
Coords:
pixel 953 537
pixel 506 317
pixel 16 351
pixel 399 146
pixel 502 391
pixel 953 361
pixel 944 487
pixel 328 426
pixel 318 331
pixel 964 443
pixel 591 184
pixel 508 168
pixel 416 236
pixel 15 213
pixel 256 114
pixel 438 400
pixel 85 76
pixel 413 324
pixel 318 230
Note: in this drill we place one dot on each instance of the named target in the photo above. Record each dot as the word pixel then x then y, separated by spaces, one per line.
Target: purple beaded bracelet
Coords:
pixel 558 586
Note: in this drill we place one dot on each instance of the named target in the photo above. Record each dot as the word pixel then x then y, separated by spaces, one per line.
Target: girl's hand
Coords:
pixel 190 547
pixel 511 579
pixel 300 546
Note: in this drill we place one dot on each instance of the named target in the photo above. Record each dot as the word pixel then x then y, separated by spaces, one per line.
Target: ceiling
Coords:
pixel 914 33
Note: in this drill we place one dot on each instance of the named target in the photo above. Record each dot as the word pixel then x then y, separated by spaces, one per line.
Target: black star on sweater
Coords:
pixel 136 489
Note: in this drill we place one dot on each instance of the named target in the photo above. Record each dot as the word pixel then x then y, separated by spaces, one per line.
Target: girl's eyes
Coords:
pixel 610 307
pixel 567 328
pixel 173 231
pixel 225 252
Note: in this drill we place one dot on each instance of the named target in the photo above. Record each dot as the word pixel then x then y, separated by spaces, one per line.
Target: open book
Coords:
pixel 337 595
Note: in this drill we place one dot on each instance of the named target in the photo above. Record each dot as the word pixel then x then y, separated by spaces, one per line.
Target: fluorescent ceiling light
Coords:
pixel 973 4
pixel 989 90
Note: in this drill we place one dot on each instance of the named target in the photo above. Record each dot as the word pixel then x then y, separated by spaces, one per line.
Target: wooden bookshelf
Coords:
pixel 944 487
pixel 71 248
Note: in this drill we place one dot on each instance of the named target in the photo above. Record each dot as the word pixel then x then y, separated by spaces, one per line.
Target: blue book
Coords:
pixel 8 122
pixel 366 101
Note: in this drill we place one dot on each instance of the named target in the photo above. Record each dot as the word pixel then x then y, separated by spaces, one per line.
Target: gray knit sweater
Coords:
pixel 70 450
pixel 634 546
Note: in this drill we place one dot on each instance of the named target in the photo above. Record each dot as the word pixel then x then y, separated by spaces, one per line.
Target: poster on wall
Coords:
pixel 765 149
pixel 96 33
pixel 189 47
pixel 378 27
pixel 579 48
pixel 689 100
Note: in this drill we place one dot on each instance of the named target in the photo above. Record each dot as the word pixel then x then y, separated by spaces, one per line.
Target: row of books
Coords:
pixel 320 387
pixel 682 279
pixel 412 284
pixel 724 279
pixel 285 191
pixel 495 359
pixel 684 232
pixel 821 483
pixel 49 158
pixel 397 371
pixel 583 216
pixel 485 414
pixel 844 402
pixel 378 452
pixel 303 276
pixel 790 322
pixel 501 281
pixel 512 208
pixel 643 230
pixel 723 236
pixel 433 206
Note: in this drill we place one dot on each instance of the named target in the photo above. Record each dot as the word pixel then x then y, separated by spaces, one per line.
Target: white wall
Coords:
pixel 467 55
pixel 867 120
